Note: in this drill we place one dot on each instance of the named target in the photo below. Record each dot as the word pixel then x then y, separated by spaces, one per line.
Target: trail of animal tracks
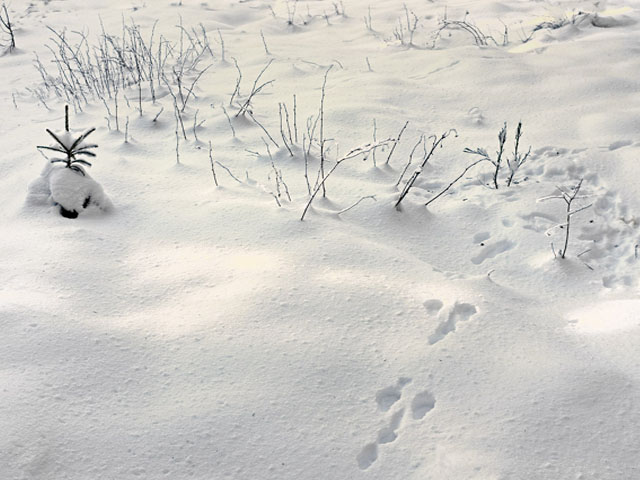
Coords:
pixel 195 331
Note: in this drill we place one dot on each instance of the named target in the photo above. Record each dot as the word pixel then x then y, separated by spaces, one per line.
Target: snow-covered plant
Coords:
pixel 568 196
pixel 518 157
pixel 405 33
pixel 513 163
pixel 71 147
pixel 436 142
pixel 497 162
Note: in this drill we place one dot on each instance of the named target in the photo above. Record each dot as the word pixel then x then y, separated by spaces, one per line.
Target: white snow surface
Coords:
pixel 205 332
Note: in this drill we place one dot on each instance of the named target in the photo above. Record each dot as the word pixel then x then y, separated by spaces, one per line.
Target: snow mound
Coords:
pixel 613 316
pixel 74 191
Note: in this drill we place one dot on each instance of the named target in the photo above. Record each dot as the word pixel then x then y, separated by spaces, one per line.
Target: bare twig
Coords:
pixel 322 139
pixel 568 196
pixel 395 143
pixel 233 130
pixel 228 171
pixel 446 189
pixel 7 26
pixel 372 197
pixel 155 119
pixel 236 91
pixel 221 46
pixel 436 142
pixel 264 42
pixel 264 129
pixel 255 90
pixel 193 84
pixel 282 134
pixel 502 138
pixel 518 158
pixel 361 150
pixel 410 160
pixel 213 170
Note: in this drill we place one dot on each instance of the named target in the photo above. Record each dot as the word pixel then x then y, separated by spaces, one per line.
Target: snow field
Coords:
pixel 195 331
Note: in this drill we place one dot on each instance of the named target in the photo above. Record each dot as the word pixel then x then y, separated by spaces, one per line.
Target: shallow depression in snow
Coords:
pixel 607 317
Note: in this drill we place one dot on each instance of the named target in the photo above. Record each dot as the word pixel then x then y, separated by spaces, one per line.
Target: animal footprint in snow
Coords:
pixel 388 434
pixel 433 306
pixel 460 312
pixel 367 456
pixel 480 237
pixel 387 396
pixel 422 404
pixel 620 144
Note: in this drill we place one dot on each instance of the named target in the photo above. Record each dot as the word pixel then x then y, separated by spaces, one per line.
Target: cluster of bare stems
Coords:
pixel 429 147
pixel 408 23
pixel 6 26
pixel 281 187
pixel 427 153
pixel 312 142
pixel 105 70
pixel 406 26
pixel 465 25
pixel 290 134
pixel 304 19
pixel 315 136
pixel 129 67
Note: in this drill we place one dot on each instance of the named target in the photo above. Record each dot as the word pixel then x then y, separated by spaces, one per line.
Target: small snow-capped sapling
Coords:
pixel 71 188
pixel 71 147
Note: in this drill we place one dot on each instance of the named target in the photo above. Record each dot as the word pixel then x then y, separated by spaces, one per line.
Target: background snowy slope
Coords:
pixel 203 332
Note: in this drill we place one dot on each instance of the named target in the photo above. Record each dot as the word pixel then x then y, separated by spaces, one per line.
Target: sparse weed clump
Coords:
pixel 87 70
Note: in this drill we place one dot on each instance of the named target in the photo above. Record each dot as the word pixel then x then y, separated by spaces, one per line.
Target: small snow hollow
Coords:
pixel 607 317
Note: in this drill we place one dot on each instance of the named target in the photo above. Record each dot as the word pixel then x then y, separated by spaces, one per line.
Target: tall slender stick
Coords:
pixel 213 170
pixel 295 118
pixel 322 140
pixel 393 147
